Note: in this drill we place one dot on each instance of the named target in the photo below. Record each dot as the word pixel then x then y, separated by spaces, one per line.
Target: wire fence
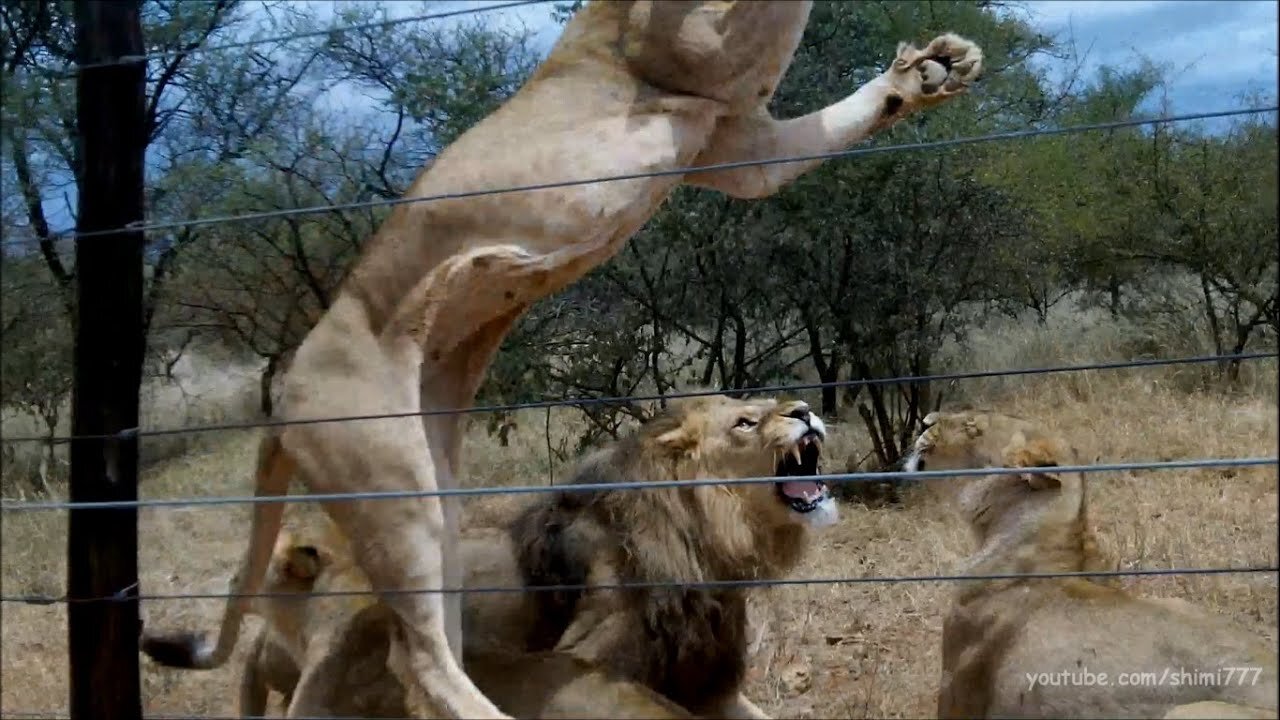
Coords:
pixel 126 594
pixel 585 401
pixel 32 506
pixel 165 225
pixel 332 32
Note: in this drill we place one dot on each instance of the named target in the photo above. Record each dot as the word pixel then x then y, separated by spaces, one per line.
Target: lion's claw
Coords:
pixel 945 67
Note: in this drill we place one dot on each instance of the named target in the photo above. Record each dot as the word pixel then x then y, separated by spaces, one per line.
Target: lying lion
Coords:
pixel 295 653
pixel 329 656
pixel 1038 647
pixel 630 87
pixel 653 652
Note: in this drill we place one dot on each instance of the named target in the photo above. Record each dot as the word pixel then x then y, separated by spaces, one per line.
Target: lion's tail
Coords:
pixel 186 649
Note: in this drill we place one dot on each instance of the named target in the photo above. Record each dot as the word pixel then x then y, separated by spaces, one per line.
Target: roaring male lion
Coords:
pixel 689 643
pixel 329 655
pixel 636 86
pixel 1027 647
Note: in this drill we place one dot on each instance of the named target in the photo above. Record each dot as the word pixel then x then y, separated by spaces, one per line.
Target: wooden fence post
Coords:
pixel 102 545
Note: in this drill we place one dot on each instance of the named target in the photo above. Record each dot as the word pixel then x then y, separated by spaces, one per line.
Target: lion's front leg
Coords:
pixel 917 80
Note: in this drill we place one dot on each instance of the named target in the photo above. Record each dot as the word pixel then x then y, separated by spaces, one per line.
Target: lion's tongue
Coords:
pixel 806 490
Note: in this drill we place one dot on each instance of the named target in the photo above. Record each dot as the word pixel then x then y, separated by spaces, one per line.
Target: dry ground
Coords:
pixel 850 650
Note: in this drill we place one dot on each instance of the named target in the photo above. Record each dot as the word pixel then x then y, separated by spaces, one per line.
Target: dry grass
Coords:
pixel 854 650
pixel 204 390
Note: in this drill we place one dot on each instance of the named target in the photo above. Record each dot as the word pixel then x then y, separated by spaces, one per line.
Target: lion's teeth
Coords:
pixel 795 453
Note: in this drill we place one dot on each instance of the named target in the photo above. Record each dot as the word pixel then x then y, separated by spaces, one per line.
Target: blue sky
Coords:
pixel 1216 50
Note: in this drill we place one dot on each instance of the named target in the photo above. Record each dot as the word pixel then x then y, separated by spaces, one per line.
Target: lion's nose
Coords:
pixel 800 413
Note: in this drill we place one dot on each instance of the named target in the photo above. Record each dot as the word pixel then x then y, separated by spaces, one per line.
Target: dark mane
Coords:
pixel 686 643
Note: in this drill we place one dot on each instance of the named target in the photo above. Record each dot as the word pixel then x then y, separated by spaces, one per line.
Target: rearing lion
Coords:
pixel 630 86
pixel 1022 647
pixel 649 652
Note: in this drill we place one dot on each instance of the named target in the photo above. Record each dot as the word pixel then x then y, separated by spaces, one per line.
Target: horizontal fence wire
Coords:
pixel 33 506
pixel 655 585
pixel 143 226
pixel 471 9
pixel 580 402
pixel 124 595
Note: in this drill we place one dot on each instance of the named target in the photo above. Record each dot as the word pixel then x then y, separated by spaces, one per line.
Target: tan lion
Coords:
pixel 329 656
pixel 1038 647
pixel 630 87
pixel 688 643
pixel 326 655
pixel 268 667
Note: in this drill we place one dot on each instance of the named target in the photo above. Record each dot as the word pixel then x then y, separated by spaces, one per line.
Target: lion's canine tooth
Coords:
pixel 795 453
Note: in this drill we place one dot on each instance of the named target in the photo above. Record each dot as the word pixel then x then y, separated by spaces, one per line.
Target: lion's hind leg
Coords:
pixel 406 555
pixel 398 543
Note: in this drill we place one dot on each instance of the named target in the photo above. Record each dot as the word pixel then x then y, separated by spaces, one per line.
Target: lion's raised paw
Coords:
pixel 945 67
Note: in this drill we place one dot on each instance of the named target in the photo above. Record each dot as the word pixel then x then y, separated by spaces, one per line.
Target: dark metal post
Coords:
pixel 102 545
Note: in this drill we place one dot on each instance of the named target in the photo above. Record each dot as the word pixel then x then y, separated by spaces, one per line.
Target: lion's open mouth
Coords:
pixel 801 460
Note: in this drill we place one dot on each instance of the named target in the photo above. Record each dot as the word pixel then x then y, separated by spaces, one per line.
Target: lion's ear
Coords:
pixel 677 440
pixel 302 562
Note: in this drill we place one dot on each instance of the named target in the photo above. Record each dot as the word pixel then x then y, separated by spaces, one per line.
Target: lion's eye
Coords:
pixel 744 423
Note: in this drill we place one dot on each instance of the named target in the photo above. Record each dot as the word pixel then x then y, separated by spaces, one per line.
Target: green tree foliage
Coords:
pixel 860 269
